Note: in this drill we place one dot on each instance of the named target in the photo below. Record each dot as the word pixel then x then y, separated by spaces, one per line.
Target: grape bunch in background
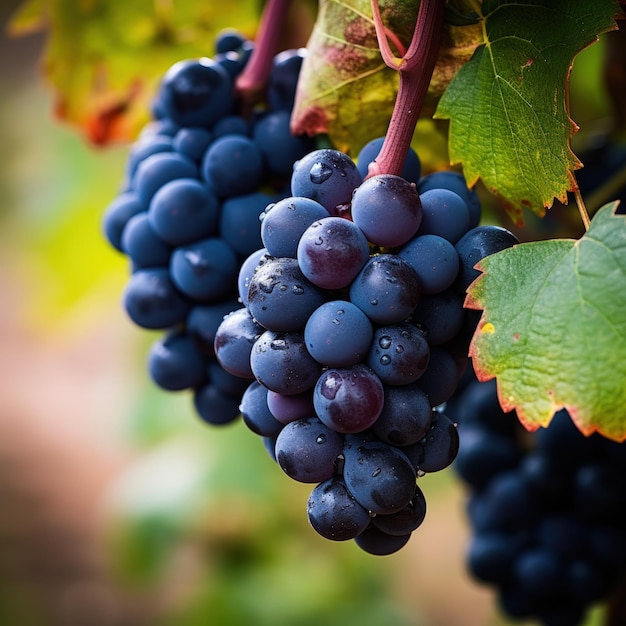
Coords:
pixel 188 215
pixel 547 511
pixel 352 335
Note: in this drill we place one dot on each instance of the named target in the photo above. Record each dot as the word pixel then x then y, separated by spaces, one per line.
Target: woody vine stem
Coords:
pixel 415 69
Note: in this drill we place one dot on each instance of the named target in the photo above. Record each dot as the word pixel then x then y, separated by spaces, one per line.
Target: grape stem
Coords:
pixel 416 70
pixel 251 83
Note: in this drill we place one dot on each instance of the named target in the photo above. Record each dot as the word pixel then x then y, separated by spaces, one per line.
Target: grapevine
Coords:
pixel 360 311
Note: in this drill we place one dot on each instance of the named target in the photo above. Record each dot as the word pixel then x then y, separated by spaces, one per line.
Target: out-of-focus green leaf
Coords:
pixel 104 59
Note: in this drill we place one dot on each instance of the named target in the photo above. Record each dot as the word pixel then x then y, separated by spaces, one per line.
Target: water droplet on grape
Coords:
pixel 321 438
pixel 376 472
pixel 374 302
pixel 278 344
pixel 335 321
pixel 399 349
pixel 384 342
pixel 385 359
pixel 421 473
pixel 320 172
pixel 298 290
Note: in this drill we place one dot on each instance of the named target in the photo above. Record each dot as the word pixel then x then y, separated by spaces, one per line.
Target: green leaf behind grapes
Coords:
pixel 509 121
pixel 553 327
pixel 104 59
pixel 345 89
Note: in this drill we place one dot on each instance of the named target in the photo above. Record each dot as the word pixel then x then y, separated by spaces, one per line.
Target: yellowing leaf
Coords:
pixel 509 121
pixel 104 59
pixel 345 88
pixel 553 328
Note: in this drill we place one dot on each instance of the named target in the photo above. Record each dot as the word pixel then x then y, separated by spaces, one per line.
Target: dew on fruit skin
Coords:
pixel 374 302
pixel 298 290
pixel 399 349
pixel 385 342
pixel 321 438
pixel 278 344
pixel 335 321
pixel 320 172
pixel 385 359
pixel 376 472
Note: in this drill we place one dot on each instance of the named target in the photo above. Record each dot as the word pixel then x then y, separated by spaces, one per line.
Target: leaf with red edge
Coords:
pixel 104 59
pixel 553 327
pixel 508 110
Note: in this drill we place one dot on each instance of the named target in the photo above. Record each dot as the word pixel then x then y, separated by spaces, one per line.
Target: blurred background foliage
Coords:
pixel 117 506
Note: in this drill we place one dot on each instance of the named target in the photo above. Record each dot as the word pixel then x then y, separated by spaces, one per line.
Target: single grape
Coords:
pixel 196 92
pixel 183 211
pixel 156 170
pixel 280 297
pixel 205 270
pixel 434 260
pixel 334 513
pixel 256 413
pixel 175 363
pixel 379 476
pixel 387 289
pixel 348 399
pixel 142 245
pixel 399 354
pixel 233 165
pixel 152 301
pixel 239 222
pixel 387 209
pixel 444 213
pixel 234 340
pixel 338 334
pixel 280 148
pixel 327 176
pixel 454 181
pixel 289 408
pixel 281 363
pixel 192 141
pixel 331 252
pixel 284 222
pixel 405 417
pixel 374 541
pixel 307 450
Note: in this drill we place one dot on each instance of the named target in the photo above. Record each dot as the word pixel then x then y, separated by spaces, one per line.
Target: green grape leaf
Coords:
pixel 508 110
pixel 553 327
pixel 345 89
pixel 104 59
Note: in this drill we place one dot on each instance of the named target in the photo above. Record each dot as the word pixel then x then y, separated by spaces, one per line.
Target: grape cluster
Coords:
pixel 548 511
pixel 352 335
pixel 188 214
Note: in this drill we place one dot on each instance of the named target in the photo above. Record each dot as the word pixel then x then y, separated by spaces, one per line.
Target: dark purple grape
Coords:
pixel 280 297
pixel 411 170
pixel 281 363
pixel 334 513
pixel 307 450
pixel 338 334
pixel 399 354
pixel 327 176
pixel 387 209
pixel 444 213
pixel 387 289
pixel 331 252
pixel 256 413
pixel 175 362
pixel 234 339
pixel 405 521
pixel 289 408
pixel 374 541
pixel 348 399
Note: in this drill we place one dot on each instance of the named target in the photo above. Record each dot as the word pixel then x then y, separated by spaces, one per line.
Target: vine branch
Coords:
pixel 251 83
pixel 415 68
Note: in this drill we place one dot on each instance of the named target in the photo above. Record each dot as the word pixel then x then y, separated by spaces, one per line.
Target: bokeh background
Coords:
pixel 117 505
